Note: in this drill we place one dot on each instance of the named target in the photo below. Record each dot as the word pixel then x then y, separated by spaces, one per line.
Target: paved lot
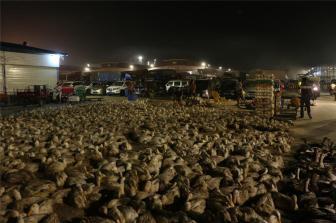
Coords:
pixel 323 123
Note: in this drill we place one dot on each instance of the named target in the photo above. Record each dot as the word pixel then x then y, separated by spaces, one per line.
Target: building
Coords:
pixel 161 69
pixel 179 65
pixel 326 73
pixel 22 65
pixel 112 71
pixel 187 67
pixel 277 74
pixel 69 73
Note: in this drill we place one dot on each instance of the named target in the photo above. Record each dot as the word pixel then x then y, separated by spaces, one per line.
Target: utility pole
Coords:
pixel 3 58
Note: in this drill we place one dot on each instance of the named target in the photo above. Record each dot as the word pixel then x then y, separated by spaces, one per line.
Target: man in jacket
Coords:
pixel 306 94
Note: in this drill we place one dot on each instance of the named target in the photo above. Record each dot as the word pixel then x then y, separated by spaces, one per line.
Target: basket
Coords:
pixel 132 97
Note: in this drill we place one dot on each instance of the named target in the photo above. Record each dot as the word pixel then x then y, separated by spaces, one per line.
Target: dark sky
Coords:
pixel 242 34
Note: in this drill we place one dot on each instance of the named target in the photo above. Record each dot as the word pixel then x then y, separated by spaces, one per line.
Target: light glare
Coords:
pixel 54 60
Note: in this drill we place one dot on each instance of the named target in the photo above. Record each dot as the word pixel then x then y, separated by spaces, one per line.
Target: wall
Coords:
pixel 45 60
pixel 20 77
pixel 1 78
pixel 23 69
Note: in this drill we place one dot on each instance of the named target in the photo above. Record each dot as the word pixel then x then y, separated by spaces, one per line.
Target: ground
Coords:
pixel 94 170
pixel 323 123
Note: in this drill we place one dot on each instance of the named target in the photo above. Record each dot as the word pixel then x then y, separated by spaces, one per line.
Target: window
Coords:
pixel 177 83
pixel 184 83
pixel 77 83
pixel 118 84
pixel 67 85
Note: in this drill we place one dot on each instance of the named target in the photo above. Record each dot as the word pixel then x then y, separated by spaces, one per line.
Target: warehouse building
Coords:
pixel 277 74
pixel 22 65
pixel 326 73
pixel 69 73
pixel 112 71
pixel 166 69
pixel 186 67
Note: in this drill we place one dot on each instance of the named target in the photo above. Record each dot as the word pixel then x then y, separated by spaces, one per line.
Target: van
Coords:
pixel 176 84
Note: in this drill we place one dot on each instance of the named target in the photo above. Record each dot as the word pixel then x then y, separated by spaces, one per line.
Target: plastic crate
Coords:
pixel 74 98
pixel 132 97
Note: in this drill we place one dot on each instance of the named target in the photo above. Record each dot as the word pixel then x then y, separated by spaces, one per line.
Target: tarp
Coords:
pixel 128 77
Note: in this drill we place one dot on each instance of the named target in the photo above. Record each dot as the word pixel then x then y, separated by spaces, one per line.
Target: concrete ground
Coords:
pixel 323 123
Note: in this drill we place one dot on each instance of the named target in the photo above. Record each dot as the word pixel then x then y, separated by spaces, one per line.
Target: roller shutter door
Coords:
pixel 20 77
pixel 1 79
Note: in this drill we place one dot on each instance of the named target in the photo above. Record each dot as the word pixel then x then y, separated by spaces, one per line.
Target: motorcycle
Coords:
pixel 332 90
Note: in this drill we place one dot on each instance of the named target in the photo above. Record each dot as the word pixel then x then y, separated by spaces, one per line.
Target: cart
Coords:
pixel 81 92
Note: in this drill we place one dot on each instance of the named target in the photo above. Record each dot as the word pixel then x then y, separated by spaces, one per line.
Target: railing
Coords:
pixel 3 98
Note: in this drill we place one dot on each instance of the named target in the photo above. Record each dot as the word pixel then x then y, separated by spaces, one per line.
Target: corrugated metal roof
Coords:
pixel 20 48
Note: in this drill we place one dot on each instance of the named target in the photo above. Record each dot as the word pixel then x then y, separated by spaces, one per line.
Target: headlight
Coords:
pixel 315 88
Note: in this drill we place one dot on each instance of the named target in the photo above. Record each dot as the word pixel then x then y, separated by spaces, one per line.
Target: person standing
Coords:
pixel 306 95
pixel 193 88
pixel 239 92
pixel 131 90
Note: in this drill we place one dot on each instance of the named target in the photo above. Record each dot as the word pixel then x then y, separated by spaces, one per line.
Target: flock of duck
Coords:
pixel 119 162
pixel 310 184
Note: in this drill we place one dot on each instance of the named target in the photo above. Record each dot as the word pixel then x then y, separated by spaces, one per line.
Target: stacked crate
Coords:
pixel 277 102
pixel 264 100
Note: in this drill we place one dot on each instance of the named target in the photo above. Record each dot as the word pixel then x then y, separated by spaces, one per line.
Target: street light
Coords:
pixel 131 67
pixel 203 64
pixel 86 69
pixel 229 69
pixel 140 59
pixel 220 68
pixel 151 65
pixel 88 65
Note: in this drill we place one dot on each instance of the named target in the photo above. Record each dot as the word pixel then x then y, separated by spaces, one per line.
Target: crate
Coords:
pixel 262 76
pixel 74 98
pixel 264 96
pixel 132 97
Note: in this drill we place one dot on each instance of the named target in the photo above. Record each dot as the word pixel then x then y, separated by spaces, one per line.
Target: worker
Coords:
pixel 130 90
pixel 177 94
pixel 306 95
pixel 239 92
pixel 193 88
pixel 128 83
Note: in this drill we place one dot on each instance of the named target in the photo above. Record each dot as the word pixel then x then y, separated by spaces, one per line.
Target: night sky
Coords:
pixel 242 35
